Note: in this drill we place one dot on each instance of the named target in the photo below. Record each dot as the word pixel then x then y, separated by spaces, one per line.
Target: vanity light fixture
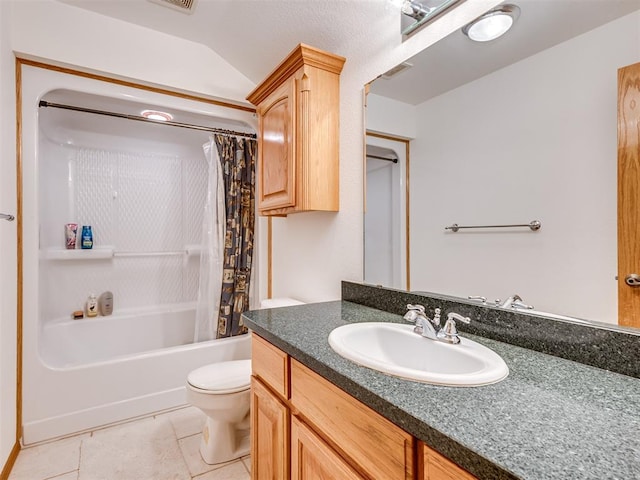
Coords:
pixel 492 24
pixel 157 115
pixel 415 10
pixel 417 13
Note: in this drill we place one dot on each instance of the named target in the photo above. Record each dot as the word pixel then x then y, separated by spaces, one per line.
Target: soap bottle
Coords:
pixel 87 237
pixel 105 304
pixel 92 306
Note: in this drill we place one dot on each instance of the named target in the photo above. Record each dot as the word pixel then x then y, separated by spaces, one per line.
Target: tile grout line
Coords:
pixel 59 475
pixel 80 455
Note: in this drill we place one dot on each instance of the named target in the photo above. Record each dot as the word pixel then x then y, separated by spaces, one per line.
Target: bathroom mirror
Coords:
pixel 509 131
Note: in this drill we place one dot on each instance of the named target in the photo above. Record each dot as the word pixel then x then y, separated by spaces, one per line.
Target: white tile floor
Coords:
pixel 162 447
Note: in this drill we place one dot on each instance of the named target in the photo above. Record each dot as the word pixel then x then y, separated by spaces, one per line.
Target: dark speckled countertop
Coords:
pixel 551 418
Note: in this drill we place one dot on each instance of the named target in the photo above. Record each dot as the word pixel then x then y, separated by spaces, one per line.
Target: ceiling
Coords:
pixel 255 35
pixel 456 60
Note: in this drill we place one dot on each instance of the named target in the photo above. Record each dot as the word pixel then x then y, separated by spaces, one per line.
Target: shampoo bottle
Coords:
pixel 87 237
pixel 92 306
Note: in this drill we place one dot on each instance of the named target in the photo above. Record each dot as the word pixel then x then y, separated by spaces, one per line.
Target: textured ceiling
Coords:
pixel 255 35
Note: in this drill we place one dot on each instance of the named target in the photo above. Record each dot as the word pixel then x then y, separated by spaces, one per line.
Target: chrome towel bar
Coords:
pixel 533 225
pixel 6 216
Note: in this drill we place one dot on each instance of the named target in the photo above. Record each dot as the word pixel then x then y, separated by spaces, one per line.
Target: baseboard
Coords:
pixel 100 416
pixel 11 460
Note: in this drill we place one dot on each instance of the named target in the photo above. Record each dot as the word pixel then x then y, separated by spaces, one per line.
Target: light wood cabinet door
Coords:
pixel 269 434
pixel 437 467
pixel 376 446
pixel 276 155
pixel 270 365
pixel 313 459
pixel 298 107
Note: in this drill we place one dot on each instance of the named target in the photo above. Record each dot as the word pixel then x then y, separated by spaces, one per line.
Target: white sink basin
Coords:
pixel 395 349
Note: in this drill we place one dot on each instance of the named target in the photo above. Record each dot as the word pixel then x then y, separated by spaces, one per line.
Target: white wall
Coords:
pixel 391 117
pixel 536 140
pixel 50 30
pixel 7 242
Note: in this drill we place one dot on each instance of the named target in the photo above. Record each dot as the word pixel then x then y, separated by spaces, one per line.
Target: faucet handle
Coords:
pixel 449 333
pixel 413 312
pixel 456 316
pixel 479 298
pixel 417 308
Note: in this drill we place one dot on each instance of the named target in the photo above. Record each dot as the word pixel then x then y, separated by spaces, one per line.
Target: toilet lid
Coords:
pixel 223 377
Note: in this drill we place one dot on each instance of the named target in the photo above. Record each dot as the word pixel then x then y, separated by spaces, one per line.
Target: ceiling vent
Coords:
pixel 184 6
pixel 396 70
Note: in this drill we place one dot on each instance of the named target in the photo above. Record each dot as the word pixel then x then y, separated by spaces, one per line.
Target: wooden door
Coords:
pixel 312 459
pixel 629 195
pixel 269 435
pixel 276 153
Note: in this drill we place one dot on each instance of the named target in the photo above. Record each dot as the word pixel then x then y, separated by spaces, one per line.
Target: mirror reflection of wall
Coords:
pixel 535 139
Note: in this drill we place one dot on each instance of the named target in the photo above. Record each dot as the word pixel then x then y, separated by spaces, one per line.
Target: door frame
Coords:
pixel 406 143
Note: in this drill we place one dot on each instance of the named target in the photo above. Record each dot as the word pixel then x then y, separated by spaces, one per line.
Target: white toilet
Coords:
pixel 222 392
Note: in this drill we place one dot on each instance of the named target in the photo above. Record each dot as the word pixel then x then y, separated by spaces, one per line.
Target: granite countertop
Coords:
pixel 551 418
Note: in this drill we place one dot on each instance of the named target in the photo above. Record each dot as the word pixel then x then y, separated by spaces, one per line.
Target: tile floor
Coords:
pixel 162 447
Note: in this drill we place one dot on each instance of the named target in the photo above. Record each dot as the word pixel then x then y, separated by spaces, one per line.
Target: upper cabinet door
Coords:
pixel 298 106
pixel 276 157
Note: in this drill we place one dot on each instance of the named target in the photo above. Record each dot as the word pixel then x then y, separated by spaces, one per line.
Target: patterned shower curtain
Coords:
pixel 238 160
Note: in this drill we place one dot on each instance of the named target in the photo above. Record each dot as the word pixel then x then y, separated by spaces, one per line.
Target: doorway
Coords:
pixel 386 219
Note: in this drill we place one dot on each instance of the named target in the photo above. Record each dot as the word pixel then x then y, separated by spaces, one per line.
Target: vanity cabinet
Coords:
pixel 269 431
pixel 436 467
pixel 312 458
pixel 298 129
pixel 304 427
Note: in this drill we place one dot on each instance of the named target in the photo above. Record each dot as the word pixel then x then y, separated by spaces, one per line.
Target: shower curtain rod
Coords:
pixel 394 160
pixel 139 118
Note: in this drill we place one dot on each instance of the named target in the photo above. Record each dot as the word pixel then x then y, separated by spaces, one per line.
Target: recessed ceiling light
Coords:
pixel 493 24
pixel 157 115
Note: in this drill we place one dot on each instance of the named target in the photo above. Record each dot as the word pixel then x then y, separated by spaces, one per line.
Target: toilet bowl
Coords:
pixel 222 392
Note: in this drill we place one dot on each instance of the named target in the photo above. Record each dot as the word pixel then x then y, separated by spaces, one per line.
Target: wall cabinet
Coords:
pixel 304 427
pixel 298 113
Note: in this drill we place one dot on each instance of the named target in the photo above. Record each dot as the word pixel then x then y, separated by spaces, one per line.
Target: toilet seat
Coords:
pixel 222 378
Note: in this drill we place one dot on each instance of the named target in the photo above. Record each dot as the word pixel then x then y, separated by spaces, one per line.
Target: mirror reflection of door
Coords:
pixel 386 217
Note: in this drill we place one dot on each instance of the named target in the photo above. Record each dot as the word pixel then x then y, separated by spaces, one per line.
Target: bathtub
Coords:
pixel 98 371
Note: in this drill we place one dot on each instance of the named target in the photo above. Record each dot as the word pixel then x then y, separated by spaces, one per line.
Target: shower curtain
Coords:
pixel 238 160
pixel 213 228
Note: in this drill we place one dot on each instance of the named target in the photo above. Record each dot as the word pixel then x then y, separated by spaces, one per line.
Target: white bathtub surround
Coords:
pixel 160 447
pixel 139 186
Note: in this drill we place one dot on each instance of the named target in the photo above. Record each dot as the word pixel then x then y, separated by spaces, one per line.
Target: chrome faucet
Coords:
pixel 515 302
pixel 429 328
pixel 425 326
